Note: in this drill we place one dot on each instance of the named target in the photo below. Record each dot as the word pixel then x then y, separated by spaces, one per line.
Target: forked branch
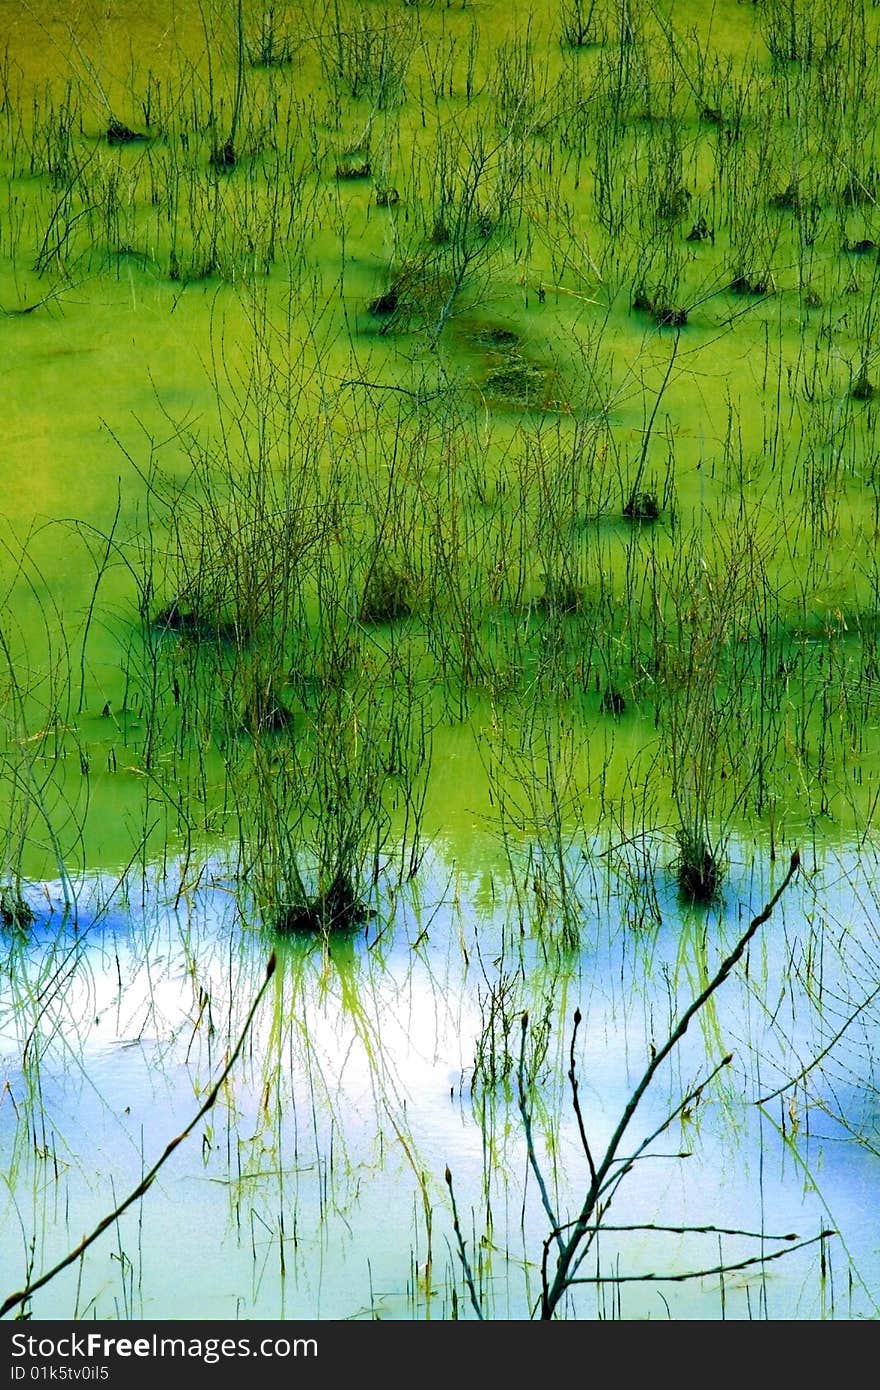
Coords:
pixel 570 1248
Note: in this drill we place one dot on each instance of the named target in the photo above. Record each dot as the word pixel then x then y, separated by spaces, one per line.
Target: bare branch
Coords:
pixel 462 1252
pixel 700 1273
pixel 147 1181
pixel 570 1250
pixel 530 1147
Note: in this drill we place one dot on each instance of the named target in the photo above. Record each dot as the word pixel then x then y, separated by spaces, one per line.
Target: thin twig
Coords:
pixel 572 1076
pixel 689 1230
pixel 462 1252
pixel 804 1071
pixel 693 1095
pixel 530 1146
pixel 699 1273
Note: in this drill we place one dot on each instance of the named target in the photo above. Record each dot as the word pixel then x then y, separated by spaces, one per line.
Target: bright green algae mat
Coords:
pixel 422 417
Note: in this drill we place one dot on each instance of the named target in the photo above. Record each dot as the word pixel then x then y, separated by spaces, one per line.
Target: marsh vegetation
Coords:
pixel 440 554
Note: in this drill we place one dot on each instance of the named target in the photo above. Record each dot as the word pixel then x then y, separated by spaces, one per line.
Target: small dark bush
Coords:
pixel 186 621
pixel 672 204
pixel 560 595
pixel 862 389
pixel 516 380
pixel 384 304
pixel 788 199
pixel 387 595
pixel 858 190
pixel 15 913
pixel 337 909
pixel 669 316
pixel 177 617
pixel 267 713
pixel 224 157
pixel 119 134
pixel 612 702
pixel 440 233
pixel 698 870
pixel 700 231
pixel 741 284
pixel 497 337
pixel 642 506
pixel 354 171
pixel 485 225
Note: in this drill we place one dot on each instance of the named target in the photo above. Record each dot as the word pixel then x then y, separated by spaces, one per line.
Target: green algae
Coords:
pixel 205 368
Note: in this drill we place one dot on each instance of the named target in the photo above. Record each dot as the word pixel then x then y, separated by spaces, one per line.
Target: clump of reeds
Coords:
pixel 579 23
pixel 387 594
pixel 699 866
pixel 16 912
pixel 335 908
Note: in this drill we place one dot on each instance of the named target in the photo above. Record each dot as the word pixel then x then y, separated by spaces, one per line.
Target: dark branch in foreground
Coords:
pixel 462 1252
pixel 147 1181
pixel 699 1273
pixel 571 1252
pixel 690 1230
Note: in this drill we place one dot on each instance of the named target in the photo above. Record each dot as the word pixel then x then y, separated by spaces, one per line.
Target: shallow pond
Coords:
pixel 440 511
pixel 315 1186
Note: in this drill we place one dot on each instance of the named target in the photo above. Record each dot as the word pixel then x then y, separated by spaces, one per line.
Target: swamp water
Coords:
pixel 441 505
pixel 315 1187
